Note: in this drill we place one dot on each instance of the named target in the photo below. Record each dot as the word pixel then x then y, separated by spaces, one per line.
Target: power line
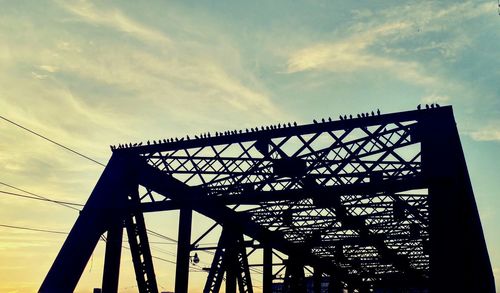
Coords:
pixel 52 141
pixel 65 203
pixel 66 233
pixel 160 235
pixel 68 205
pixel 75 152
pixel 33 229
pixel 41 199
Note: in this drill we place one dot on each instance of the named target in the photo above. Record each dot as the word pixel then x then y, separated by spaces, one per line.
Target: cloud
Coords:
pixel 351 54
pixel 115 19
pixel 487 133
pixel 87 93
pixel 374 45
pixel 435 99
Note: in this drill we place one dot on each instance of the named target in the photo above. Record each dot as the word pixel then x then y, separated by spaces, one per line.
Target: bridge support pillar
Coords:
pixel 183 250
pixel 112 258
pixel 335 285
pixel 317 280
pixel 268 269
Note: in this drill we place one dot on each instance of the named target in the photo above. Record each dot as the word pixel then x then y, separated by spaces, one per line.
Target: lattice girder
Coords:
pixel 359 199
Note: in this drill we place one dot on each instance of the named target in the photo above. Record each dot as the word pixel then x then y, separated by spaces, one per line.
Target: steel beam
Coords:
pixel 317 280
pixel 183 250
pixel 108 199
pixel 459 258
pixel 163 183
pixel 112 258
pixel 327 194
pixel 267 282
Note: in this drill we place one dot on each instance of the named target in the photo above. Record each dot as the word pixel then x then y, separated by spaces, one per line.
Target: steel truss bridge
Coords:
pixel 371 203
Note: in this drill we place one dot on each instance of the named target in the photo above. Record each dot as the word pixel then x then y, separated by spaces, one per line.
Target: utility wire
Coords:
pixel 33 229
pixel 74 152
pixel 41 199
pixel 68 205
pixel 52 141
pixel 66 233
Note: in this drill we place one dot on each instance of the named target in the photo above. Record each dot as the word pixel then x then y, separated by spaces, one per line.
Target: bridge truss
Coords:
pixel 378 202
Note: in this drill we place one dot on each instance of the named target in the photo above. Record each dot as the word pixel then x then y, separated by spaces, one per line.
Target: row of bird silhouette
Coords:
pixel 271 127
pixel 427 106
pixel 362 115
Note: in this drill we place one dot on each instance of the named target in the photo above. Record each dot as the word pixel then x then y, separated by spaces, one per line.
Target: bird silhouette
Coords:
pixel 140 144
pixel 340 117
pixel 345 117
pixel 359 116
pixel 294 123
pixel 329 119
pixel 378 111
pixel 419 107
pixel 373 114
pixel 314 120
pixel 426 106
pixel 148 142
pixel 437 105
pixel 350 116
pixel 432 106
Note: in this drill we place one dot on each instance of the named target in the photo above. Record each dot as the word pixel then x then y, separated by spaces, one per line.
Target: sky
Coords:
pixel 89 74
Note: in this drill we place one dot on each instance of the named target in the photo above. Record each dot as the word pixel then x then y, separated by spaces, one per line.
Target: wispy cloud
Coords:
pixel 88 93
pixel 487 133
pixel 113 18
pixel 352 54
pixel 435 99
pixel 375 45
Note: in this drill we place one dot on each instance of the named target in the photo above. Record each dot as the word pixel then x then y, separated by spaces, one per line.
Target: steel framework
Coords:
pixel 377 202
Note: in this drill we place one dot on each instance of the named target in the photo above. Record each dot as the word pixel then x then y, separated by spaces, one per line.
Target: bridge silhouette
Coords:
pixel 379 202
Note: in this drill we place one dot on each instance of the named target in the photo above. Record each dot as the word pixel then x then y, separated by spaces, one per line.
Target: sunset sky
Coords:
pixel 89 74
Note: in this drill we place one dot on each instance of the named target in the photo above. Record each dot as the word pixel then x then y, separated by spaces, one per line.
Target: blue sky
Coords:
pixel 94 73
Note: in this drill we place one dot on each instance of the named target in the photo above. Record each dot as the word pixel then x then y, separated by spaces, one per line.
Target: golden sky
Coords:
pixel 89 74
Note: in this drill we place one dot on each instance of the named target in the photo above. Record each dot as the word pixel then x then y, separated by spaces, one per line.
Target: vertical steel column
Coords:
pixel 107 200
pixel 335 285
pixel 139 247
pixel 183 250
pixel 267 286
pixel 459 260
pixel 231 267
pixel 317 280
pixel 112 258
pixel 294 276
